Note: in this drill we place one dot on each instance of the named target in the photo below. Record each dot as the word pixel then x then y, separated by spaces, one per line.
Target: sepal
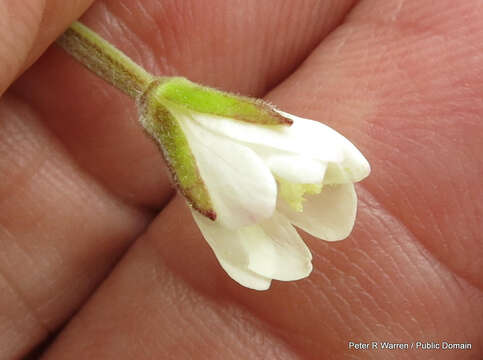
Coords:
pixel 206 100
pixel 158 121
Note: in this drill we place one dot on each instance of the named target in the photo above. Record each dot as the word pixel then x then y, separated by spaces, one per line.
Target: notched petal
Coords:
pixel 166 131
pixel 207 100
pixel 231 251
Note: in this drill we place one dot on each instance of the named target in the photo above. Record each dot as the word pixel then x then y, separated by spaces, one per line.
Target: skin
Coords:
pixel 100 259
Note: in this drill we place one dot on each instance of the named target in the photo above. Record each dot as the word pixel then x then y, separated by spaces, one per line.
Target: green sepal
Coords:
pixel 166 131
pixel 207 100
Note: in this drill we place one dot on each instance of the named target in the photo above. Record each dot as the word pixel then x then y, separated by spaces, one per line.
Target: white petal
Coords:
pixel 355 165
pixel 329 215
pixel 230 252
pixel 246 277
pixel 241 186
pixel 291 257
pixel 294 168
pixel 335 174
pixel 272 250
pixel 352 168
pixel 307 137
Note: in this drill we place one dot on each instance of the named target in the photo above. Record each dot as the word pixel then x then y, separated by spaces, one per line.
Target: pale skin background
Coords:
pixel 96 248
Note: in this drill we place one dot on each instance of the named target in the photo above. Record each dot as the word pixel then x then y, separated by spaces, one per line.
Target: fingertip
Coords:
pixel 28 28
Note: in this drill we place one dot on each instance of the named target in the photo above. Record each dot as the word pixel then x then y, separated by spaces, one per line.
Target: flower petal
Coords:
pixel 231 253
pixel 291 167
pixel 329 215
pixel 352 167
pixel 291 257
pixel 306 137
pixel 241 187
pixel 272 250
pixel 355 165
pixel 245 277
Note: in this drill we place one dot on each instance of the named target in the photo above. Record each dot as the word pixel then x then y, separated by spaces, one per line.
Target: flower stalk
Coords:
pixel 104 60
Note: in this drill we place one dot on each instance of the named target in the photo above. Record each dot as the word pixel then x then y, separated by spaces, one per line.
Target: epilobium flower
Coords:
pixel 248 171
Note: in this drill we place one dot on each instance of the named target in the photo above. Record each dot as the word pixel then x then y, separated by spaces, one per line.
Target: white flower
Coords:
pixel 250 183
pixel 242 164
pixel 247 170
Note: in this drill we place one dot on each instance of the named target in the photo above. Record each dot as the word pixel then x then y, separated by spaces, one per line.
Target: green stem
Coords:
pixel 104 60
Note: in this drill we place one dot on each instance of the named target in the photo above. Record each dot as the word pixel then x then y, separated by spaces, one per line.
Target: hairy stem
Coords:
pixel 104 60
